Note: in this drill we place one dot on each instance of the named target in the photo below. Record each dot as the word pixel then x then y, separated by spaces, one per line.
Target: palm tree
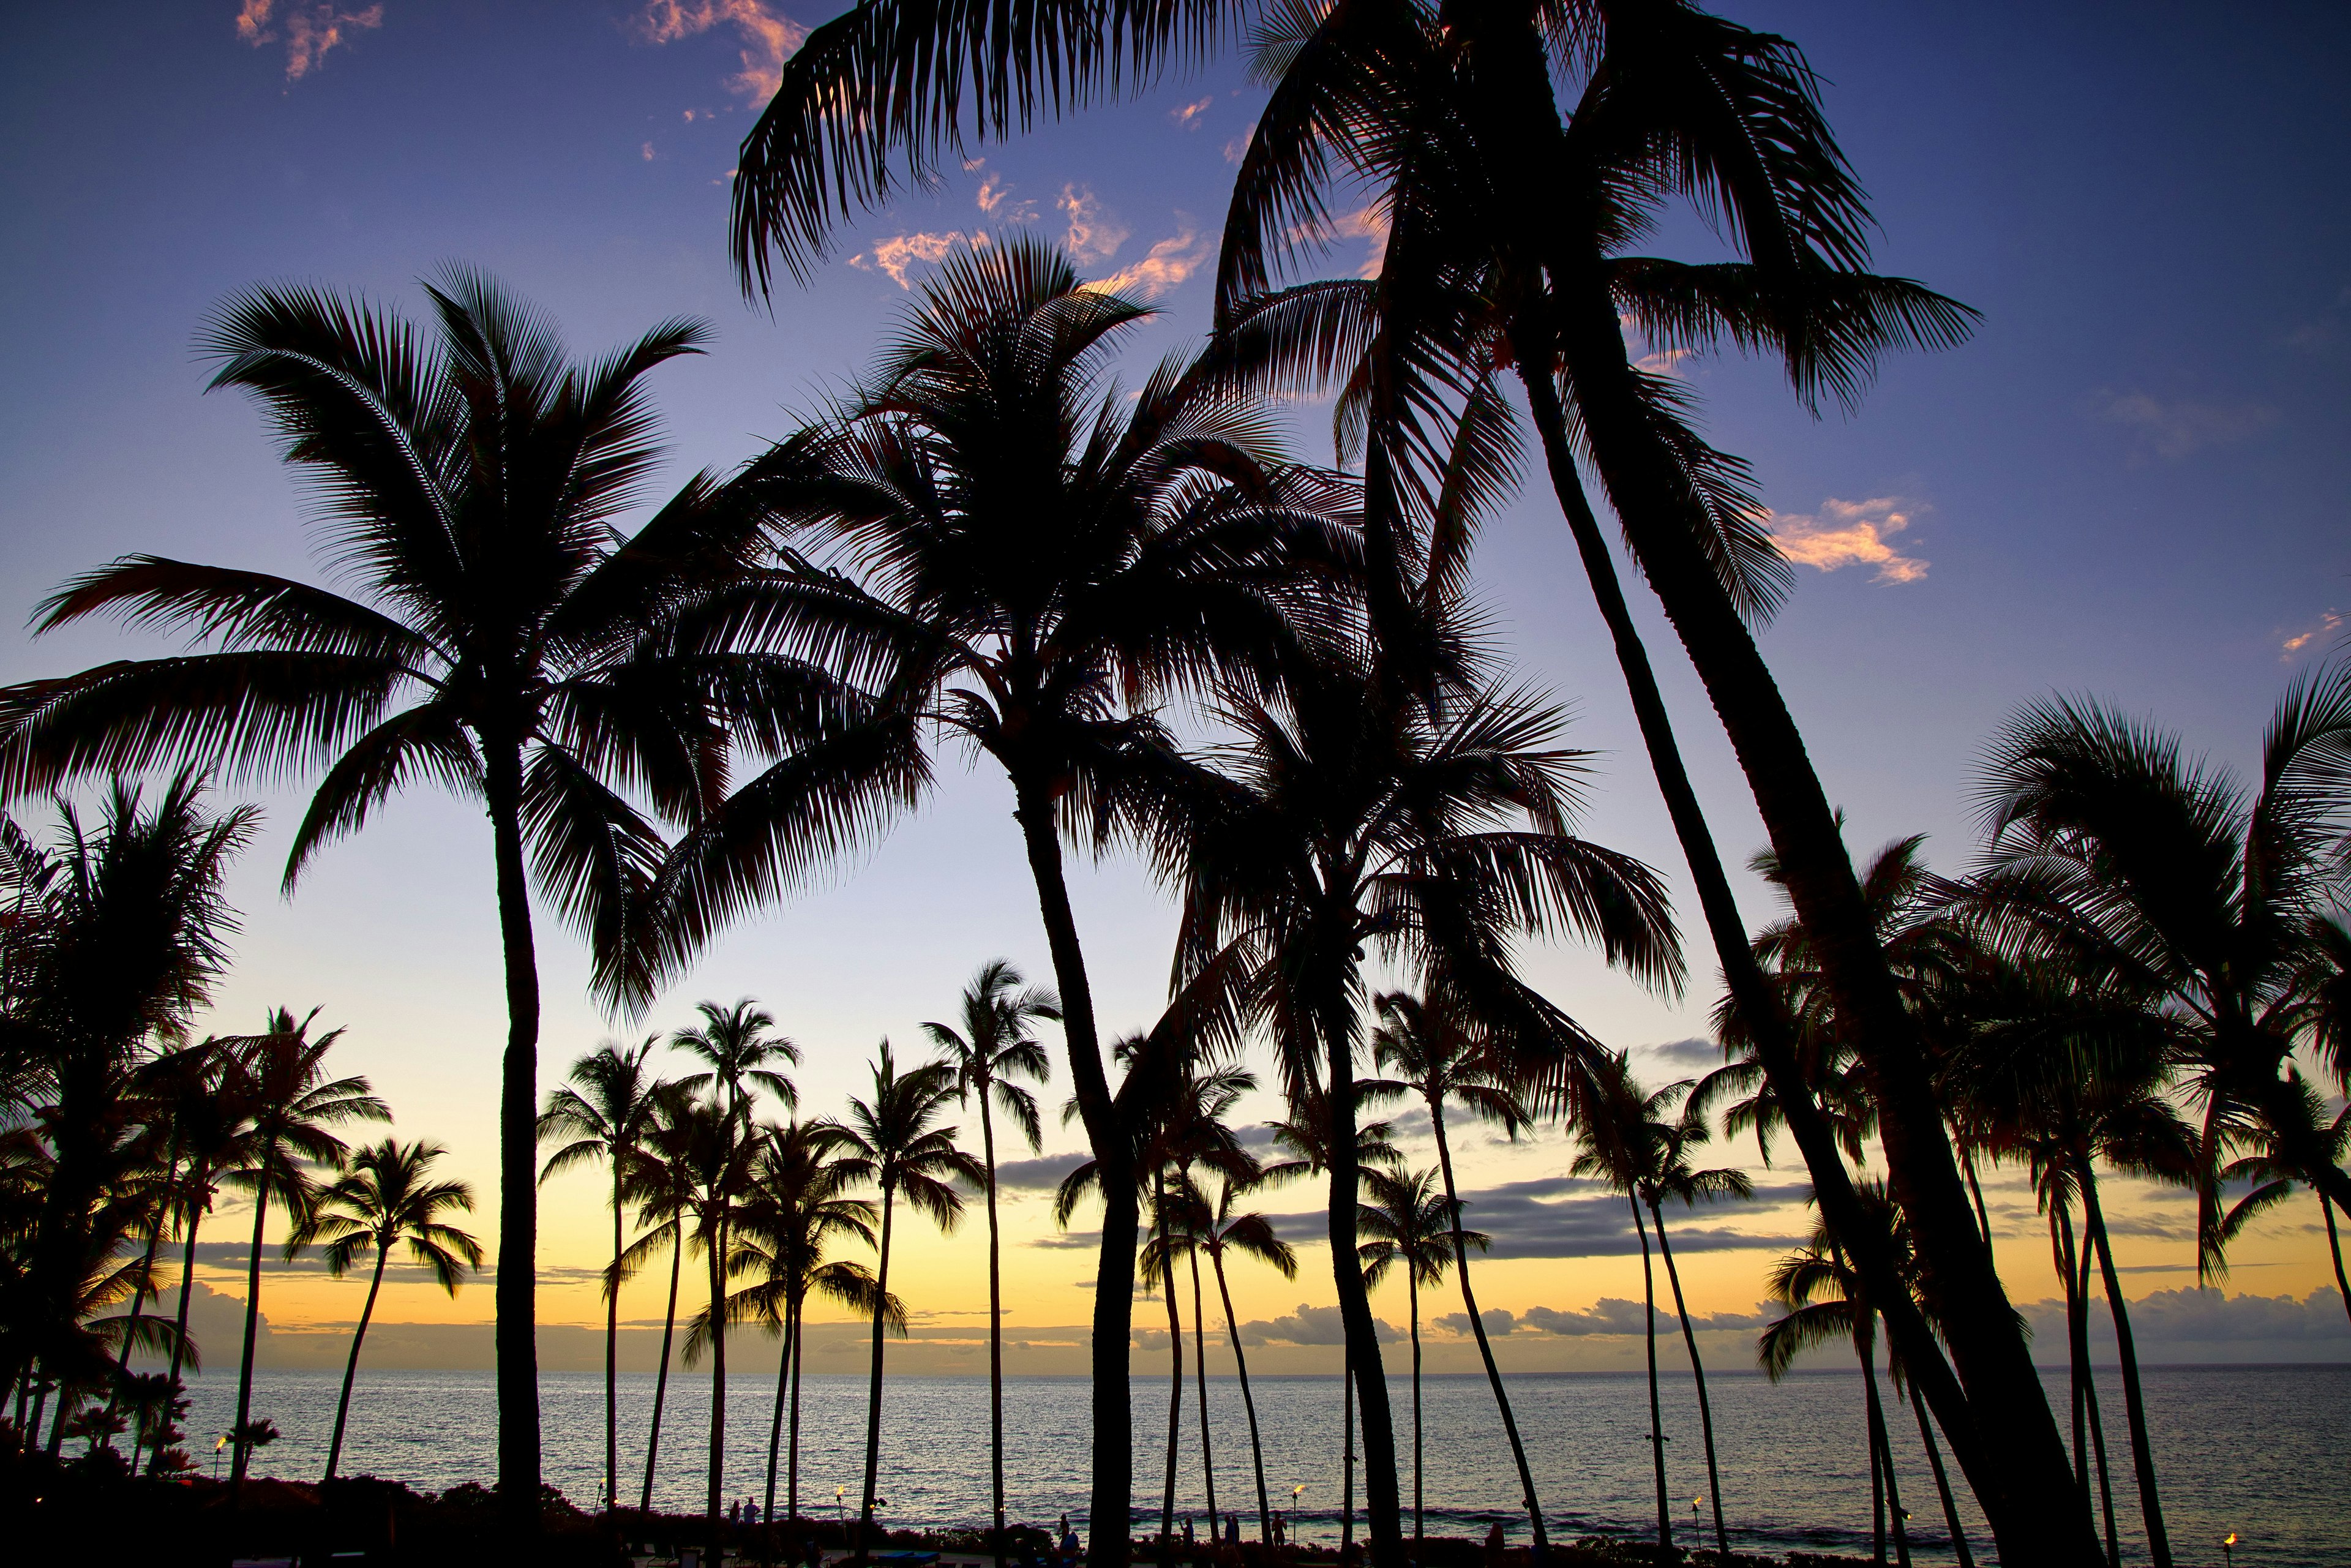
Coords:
pixel 734 1043
pixel 892 1141
pixel 605 1108
pixel 993 1048
pixel 1411 1224
pixel 294 1109
pixel 720 1153
pixel 1028 561
pixel 663 1187
pixel 1247 1235
pixel 2292 1152
pixel 506 643
pixel 210 1120
pixel 386 1198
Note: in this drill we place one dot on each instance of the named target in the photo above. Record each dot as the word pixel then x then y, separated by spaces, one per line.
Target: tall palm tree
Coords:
pixel 993 1048
pixel 210 1121
pixel 505 642
pixel 2288 1152
pixel 387 1197
pixel 1245 1235
pixel 720 1159
pixel 605 1108
pixel 734 1045
pixel 893 1141
pixel 1410 1222
pixel 1027 561
pixel 295 1109
pixel 663 1187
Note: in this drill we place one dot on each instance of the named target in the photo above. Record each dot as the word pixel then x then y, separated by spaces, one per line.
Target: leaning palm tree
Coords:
pixel 605 1108
pixel 1246 1235
pixel 1028 561
pixel 1411 1225
pixel 386 1198
pixel 993 1048
pixel 505 642
pixel 295 1109
pixel 893 1141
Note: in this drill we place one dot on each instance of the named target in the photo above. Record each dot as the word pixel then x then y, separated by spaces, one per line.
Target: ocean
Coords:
pixel 2259 1450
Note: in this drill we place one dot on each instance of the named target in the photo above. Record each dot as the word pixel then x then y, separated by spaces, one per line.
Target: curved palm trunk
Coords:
pixel 517 1260
pixel 775 1421
pixel 1175 1388
pixel 351 1366
pixel 717 1478
pixel 1419 1521
pixel 242 1450
pixel 2086 1404
pixel 178 1329
pixel 1249 1401
pixel 995 1335
pixel 1881 1459
pixel 2093 1223
pixel 1200 1378
pixel 1346 1462
pixel 661 1378
pixel 1657 1423
pixel 1698 1374
pixel 2335 1251
pixel 792 1460
pixel 612 1354
pixel 1477 1328
pixel 1942 1481
pixel 1111 1513
pixel 874 1389
pixel 1383 1507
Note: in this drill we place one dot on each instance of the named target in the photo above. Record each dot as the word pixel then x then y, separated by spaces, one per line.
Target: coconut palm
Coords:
pixel 1411 1225
pixel 211 1116
pixel 893 1141
pixel 386 1198
pixel 2290 1152
pixel 605 1108
pixel 1225 1232
pixel 720 1155
pixel 294 1109
pixel 663 1187
pixel 735 1045
pixel 505 642
pixel 1028 561
pixel 993 1048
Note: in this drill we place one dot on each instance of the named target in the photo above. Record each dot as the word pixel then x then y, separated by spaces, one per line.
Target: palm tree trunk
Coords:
pixel 141 1289
pixel 1200 1378
pixel 241 1449
pixel 775 1421
pixel 1657 1422
pixel 1175 1352
pixel 613 1354
pixel 1110 1517
pixel 1942 1481
pixel 1975 1191
pixel 180 1325
pixel 351 1366
pixel 2335 1251
pixel 2089 1404
pixel 1420 1521
pixel 1346 1459
pixel 1478 1329
pixel 792 1460
pixel 1249 1401
pixel 1882 1435
pixel 2159 1540
pixel 661 1378
pixel 716 1484
pixel 874 1389
pixel 1873 1427
pixel 517 1260
pixel 1383 1507
pixel 995 1335
pixel 2060 1253
pixel 1698 1374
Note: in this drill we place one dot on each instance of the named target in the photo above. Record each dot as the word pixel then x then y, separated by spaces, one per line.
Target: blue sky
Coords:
pixel 2131 483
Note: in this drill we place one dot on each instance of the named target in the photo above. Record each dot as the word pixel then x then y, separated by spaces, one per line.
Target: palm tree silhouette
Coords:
pixel 294 1109
pixel 1412 1225
pixel 893 1140
pixel 994 1048
pixel 662 1187
pixel 1224 1232
pixel 734 1044
pixel 719 1154
pixel 605 1108
pixel 506 643
pixel 2291 1152
pixel 386 1198
pixel 209 1115
pixel 1028 561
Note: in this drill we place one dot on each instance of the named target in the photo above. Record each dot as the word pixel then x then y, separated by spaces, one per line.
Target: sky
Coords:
pixel 2129 485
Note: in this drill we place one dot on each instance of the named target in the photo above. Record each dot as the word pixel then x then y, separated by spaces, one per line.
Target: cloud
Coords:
pixel 994 200
pixel 1310 1325
pixel 1188 117
pixel 2328 625
pixel 1070 1241
pixel 1042 1175
pixel 1092 235
pixel 1848 533
pixel 769 39
pixel 1169 262
pixel 1369 222
pixel 1612 1315
pixel 2179 429
pixel 898 255
pixel 1237 148
pixel 2198 1319
pixel 1561 1217
pixel 311 30
pixel 646 151
pixel 1687 1053
pixel 1498 1320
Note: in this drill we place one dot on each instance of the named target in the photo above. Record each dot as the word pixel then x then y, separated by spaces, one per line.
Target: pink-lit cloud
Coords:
pixel 1164 268
pixel 309 31
pixel 897 256
pixel 995 199
pixel 2328 625
pixel 769 38
pixel 2182 426
pixel 1849 533
pixel 1369 222
pixel 1187 118
pixel 1093 235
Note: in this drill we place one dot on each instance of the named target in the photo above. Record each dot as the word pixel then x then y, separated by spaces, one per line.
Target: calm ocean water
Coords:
pixel 2257 1449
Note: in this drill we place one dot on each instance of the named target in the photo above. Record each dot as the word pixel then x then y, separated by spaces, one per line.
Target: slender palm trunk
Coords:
pixel 613 1354
pixel 1657 1422
pixel 873 1386
pixel 775 1421
pixel 144 1287
pixel 1249 1401
pixel 1698 1374
pixel 2335 1251
pixel 1881 1435
pixel 180 1323
pixel 1419 1521
pixel 2060 1253
pixel 792 1460
pixel 1346 1461
pixel 517 1260
pixel 1383 1507
pixel 661 1378
pixel 1942 1481
pixel 2094 1222
pixel 242 1450
pixel 1975 1191
pixel 717 1483
pixel 351 1366
pixel 1111 1513
pixel 995 1335
pixel 1864 1349
pixel 1176 1355
pixel 1200 1379
pixel 2089 1403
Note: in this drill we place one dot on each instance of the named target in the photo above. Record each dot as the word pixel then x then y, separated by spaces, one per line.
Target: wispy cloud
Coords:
pixel 1163 269
pixel 1849 533
pixel 1369 222
pixel 2328 625
pixel 769 39
pixel 309 31
pixel 1237 148
pixel 995 199
pixel 646 151
pixel 2183 426
pixel 1093 235
pixel 895 257
pixel 1187 118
